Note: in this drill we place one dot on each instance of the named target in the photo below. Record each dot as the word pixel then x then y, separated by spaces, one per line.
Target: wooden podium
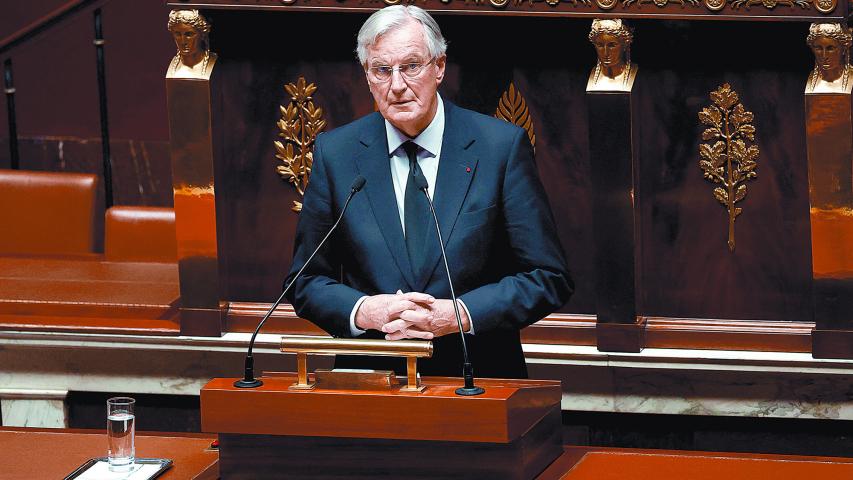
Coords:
pixel 513 431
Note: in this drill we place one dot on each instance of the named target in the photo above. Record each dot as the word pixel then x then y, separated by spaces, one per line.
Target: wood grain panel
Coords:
pixel 265 457
pixel 613 465
pixel 686 270
pixel 23 451
pixel 502 414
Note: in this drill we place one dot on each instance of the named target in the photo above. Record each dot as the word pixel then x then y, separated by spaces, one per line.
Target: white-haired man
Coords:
pixel 381 276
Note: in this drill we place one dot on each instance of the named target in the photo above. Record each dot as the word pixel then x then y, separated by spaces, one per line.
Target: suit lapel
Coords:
pixel 373 163
pixel 456 168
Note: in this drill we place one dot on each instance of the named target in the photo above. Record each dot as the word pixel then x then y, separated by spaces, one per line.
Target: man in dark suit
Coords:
pixel 381 274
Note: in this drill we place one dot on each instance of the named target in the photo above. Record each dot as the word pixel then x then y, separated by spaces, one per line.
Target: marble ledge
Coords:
pixel 34 413
pixel 655 381
pixel 578 355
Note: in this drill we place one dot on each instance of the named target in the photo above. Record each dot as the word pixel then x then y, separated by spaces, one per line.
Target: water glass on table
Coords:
pixel 121 428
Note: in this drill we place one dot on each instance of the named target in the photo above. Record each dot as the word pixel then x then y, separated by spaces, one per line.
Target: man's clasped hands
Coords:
pixel 409 315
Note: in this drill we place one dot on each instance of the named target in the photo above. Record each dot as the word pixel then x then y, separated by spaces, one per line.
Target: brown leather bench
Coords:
pixel 52 276
pixel 48 213
pixel 140 234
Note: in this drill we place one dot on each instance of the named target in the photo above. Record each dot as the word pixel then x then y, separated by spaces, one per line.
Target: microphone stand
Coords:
pixel 469 389
pixel 249 380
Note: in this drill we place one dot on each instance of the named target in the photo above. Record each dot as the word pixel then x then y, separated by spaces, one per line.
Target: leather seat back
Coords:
pixel 141 234
pixel 48 213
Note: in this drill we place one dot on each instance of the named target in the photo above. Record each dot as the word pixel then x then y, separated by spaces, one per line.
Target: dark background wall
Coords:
pixel 57 94
pixel 685 268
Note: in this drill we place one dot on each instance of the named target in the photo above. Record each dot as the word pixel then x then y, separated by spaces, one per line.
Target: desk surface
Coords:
pixel 29 453
pixel 599 463
pixel 88 293
pixel 34 453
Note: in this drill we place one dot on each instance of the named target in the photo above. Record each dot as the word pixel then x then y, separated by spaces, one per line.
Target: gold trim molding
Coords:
pixel 813 10
pixel 771 4
pixel 299 125
pixel 661 3
pixel 822 6
pixel 512 108
pixel 729 161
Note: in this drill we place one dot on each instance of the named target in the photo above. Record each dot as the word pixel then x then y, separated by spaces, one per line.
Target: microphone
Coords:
pixel 467 369
pixel 249 380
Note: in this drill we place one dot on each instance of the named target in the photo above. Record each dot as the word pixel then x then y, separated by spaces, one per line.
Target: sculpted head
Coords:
pixel 612 41
pixel 830 43
pixel 403 54
pixel 189 30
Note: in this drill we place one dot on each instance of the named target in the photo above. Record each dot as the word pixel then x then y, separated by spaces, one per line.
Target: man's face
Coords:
pixel 609 50
pixel 408 103
pixel 186 39
pixel 827 52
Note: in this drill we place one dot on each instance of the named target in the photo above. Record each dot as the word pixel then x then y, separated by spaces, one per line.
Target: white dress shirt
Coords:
pixel 428 157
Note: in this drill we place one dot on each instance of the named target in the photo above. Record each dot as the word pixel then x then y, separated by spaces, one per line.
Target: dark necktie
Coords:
pixel 415 212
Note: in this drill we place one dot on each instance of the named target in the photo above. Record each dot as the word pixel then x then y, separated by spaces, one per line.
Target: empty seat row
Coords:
pixel 59 214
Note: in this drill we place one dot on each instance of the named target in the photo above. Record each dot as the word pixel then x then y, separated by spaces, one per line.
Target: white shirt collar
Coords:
pixel 429 139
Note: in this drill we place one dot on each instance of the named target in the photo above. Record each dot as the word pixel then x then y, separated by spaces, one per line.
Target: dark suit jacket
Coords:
pixel 502 247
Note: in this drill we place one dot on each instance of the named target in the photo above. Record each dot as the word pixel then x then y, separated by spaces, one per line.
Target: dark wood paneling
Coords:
pixel 562 329
pixel 244 317
pixel 621 337
pixel 257 206
pixel 612 160
pixel 267 456
pixel 833 303
pixel 56 87
pixel 141 170
pixel 18 14
pixel 255 202
pixel 553 86
pixel 834 343
pixel 688 270
pixel 716 334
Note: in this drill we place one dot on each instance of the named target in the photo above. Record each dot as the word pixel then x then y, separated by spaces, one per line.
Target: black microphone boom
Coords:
pixel 249 380
pixel 467 369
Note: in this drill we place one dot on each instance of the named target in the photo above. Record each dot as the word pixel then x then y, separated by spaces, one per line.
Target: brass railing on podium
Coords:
pixel 302 346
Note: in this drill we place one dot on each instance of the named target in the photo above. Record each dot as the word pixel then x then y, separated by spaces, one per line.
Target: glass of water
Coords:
pixel 121 428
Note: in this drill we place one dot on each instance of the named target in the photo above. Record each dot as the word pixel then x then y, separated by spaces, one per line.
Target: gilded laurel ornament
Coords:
pixel 729 161
pixel 512 108
pixel 299 125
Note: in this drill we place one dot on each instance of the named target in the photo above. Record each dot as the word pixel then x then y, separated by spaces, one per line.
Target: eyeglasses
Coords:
pixel 383 73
